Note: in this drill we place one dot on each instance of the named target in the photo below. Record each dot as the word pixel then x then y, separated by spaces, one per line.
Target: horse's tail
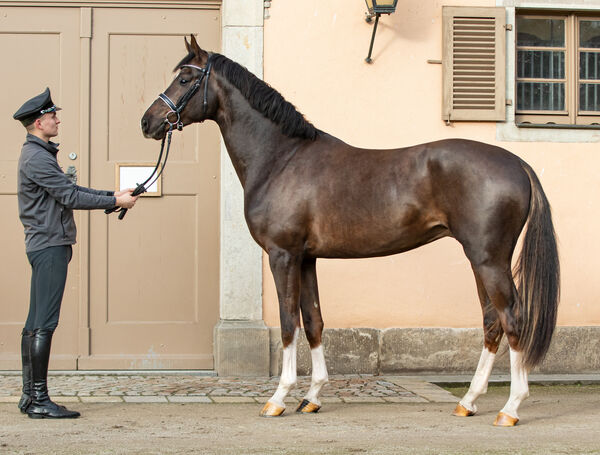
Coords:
pixel 537 273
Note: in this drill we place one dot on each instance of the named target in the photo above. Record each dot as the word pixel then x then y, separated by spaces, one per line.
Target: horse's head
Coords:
pixel 188 99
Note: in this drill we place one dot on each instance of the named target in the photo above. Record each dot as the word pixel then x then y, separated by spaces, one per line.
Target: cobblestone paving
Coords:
pixel 181 388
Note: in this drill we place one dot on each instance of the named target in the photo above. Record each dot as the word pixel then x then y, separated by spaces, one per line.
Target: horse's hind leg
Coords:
pixel 519 390
pixel 492 336
pixel 313 327
pixel 286 272
pixel 500 287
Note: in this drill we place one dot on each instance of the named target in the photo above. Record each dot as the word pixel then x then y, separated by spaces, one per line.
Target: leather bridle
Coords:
pixel 185 98
pixel 175 109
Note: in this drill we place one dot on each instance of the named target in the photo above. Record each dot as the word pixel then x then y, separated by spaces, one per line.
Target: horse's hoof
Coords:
pixel 461 411
pixel 504 420
pixel 307 407
pixel 271 410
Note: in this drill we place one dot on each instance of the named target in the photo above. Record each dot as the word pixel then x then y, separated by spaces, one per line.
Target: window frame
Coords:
pixel 595 116
pixel 572 116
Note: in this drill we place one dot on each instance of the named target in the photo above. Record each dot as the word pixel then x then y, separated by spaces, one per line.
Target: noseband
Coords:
pixel 177 123
pixel 185 98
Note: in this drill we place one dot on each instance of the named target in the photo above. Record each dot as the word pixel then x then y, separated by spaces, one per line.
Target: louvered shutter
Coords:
pixel 474 44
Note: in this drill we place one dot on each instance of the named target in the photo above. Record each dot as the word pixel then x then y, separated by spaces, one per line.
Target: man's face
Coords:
pixel 48 124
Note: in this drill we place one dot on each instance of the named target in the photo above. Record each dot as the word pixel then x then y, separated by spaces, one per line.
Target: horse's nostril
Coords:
pixel 144 124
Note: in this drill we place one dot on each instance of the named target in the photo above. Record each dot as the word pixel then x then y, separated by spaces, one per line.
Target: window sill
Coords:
pixel 513 131
pixel 557 126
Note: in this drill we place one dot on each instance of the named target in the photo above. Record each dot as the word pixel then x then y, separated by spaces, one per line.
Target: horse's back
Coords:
pixel 491 160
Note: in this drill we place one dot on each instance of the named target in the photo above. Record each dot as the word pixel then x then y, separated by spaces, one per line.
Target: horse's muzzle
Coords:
pixel 153 129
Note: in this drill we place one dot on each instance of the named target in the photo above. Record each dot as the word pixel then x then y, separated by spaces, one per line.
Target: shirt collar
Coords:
pixel 52 147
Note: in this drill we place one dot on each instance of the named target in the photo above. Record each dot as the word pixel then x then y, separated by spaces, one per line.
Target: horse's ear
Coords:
pixel 187 45
pixel 196 49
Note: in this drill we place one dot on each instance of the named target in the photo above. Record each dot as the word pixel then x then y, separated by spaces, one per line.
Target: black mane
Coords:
pixel 261 97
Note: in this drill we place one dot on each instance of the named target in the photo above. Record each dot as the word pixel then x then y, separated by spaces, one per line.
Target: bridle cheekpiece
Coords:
pixel 176 109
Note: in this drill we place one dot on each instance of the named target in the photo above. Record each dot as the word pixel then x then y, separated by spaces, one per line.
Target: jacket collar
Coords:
pixel 52 147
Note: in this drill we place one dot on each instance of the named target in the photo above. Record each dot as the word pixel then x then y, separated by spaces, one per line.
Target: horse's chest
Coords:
pixel 275 223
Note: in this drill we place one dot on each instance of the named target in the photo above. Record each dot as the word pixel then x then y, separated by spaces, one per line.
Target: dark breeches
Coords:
pixel 49 275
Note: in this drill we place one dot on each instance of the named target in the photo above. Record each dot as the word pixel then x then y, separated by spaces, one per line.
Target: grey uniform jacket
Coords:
pixel 47 197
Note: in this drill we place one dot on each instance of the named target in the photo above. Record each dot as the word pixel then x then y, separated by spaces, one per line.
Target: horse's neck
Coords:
pixel 254 143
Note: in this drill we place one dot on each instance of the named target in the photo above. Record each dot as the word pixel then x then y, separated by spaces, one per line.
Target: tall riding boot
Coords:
pixel 41 406
pixel 26 338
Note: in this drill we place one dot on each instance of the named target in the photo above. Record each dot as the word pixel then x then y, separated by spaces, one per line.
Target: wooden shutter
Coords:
pixel 474 53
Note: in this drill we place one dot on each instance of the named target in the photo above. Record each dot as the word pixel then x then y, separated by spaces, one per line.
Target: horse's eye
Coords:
pixel 183 81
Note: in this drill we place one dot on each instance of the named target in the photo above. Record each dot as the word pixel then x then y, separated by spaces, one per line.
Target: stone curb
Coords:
pixel 362 400
pixel 146 399
pixel 227 400
pixel 405 400
pixel 233 400
pixel 65 399
pixel 184 388
pixel 189 399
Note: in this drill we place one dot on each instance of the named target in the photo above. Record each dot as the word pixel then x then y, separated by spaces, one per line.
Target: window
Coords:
pixel 557 69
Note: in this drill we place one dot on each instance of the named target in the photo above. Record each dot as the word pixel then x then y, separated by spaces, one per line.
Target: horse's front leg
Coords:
pixel 313 327
pixel 286 272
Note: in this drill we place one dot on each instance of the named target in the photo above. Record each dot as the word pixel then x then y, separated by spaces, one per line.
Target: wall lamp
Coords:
pixel 377 8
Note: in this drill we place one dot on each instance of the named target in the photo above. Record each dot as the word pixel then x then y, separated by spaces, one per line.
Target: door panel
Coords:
pixel 52 36
pixel 154 275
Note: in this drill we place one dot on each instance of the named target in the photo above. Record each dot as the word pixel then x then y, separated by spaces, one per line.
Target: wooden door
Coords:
pixel 154 280
pixel 39 48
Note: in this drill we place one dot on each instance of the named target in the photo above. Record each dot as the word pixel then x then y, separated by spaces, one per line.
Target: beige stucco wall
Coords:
pixel 314 55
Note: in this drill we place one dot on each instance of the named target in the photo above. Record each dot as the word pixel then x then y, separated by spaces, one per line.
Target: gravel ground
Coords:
pixel 554 420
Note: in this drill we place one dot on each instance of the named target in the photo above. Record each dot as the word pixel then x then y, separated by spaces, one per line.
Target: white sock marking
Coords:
pixel 519 389
pixel 480 380
pixel 288 372
pixel 319 375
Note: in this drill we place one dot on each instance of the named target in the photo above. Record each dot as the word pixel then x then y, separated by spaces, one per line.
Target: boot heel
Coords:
pixel 24 404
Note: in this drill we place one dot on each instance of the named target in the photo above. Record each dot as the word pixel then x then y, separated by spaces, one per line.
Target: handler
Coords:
pixel 46 199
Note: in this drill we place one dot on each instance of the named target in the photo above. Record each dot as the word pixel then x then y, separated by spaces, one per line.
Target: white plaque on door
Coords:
pixel 130 175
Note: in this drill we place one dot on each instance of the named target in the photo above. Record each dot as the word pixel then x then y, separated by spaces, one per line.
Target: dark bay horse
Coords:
pixel 309 195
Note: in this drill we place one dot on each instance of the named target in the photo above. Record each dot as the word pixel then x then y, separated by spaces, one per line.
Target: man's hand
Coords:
pixel 125 199
pixel 123 192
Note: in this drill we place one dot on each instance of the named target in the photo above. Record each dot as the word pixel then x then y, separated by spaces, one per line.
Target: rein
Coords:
pixel 177 123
